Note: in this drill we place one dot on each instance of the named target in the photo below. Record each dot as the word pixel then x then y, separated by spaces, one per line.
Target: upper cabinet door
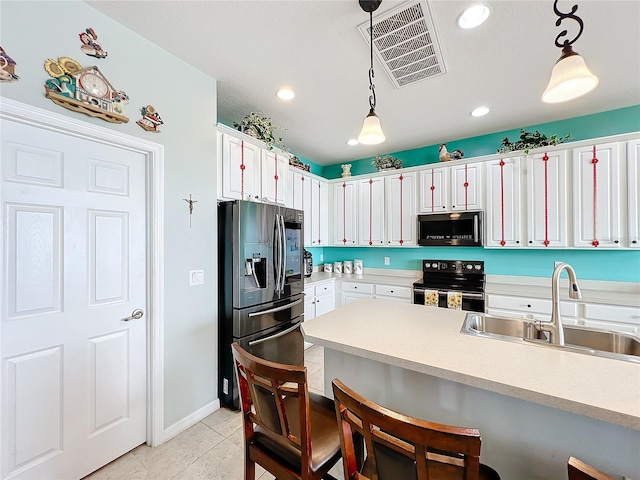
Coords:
pixel 371 211
pixel 319 213
pixel 344 213
pixel 401 209
pixel 633 192
pixel 596 196
pixel 504 203
pixel 434 190
pixel 466 186
pixel 547 200
pixel 302 192
pixel 275 175
pixel 240 168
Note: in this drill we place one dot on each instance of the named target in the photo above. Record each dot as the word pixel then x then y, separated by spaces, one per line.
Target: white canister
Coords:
pixel 328 267
pixel 347 266
pixel 337 267
pixel 358 267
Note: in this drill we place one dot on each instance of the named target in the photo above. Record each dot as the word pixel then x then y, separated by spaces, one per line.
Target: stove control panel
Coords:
pixel 453 266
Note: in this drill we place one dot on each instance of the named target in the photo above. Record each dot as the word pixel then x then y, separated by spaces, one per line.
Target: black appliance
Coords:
pixel 308 263
pixel 450 229
pixel 446 276
pixel 261 283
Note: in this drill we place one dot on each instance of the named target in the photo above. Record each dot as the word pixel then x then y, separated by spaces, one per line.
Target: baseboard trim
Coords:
pixel 190 420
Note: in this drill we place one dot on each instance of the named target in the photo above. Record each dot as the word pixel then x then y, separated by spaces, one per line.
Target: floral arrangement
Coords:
pixel 530 140
pixel 296 162
pixel 386 162
pixel 261 128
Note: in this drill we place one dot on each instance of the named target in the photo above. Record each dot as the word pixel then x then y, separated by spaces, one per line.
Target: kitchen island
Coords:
pixel 534 406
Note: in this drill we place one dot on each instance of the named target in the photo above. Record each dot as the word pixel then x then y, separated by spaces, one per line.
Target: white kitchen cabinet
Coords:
pixel 400 199
pixel 302 192
pixel 320 298
pixel 546 205
pixel 319 213
pixel 345 212
pixel 274 176
pixel 466 186
pixel 434 190
pixel 596 196
pixel 394 292
pixel 240 168
pixel 371 224
pixel 613 317
pixel 503 217
pixel 530 308
pixel 352 291
pixel 633 193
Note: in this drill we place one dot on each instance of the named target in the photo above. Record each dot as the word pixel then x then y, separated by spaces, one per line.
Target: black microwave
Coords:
pixel 460 229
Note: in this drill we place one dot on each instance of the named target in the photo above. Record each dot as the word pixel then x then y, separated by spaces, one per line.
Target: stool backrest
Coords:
pixel 578 470
pixel 274 397
pixel 400 446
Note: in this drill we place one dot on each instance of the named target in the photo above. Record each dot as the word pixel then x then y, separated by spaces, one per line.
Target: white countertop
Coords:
pixel 379 277
pixel 428 340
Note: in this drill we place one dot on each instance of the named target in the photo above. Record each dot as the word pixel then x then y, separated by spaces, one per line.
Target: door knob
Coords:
pixel 135 315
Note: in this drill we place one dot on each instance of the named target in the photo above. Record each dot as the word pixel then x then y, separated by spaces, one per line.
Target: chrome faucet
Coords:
pixel 554 327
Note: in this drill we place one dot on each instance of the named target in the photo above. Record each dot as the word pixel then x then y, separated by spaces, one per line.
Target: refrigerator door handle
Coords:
pixel 277 262
pixel 271 337
pixel 276 309
pixel 284 256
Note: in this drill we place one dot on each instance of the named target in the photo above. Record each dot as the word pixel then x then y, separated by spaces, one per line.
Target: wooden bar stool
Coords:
pixel 578 470
pixel 289 432
pixel 403 447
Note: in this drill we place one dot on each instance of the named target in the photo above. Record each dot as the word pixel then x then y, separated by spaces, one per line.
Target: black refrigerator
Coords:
pixel 261 285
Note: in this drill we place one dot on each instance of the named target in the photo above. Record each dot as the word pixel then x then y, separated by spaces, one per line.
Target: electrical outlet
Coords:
pixel 196 277
pixel 225 386
pixel 322 257
pixel 387 260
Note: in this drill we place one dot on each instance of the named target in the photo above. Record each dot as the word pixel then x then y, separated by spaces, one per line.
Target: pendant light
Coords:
pixel 570 77
pixel 371 133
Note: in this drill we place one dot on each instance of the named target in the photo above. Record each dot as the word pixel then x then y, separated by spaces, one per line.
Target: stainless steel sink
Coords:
pixel 603 343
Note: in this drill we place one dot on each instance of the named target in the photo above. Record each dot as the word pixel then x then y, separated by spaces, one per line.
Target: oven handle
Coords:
pixel 276 309
pixel 271 337
pixel 464 294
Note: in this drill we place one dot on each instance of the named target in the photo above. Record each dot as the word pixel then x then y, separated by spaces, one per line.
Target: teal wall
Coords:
pixel 589 264
pixel 623 120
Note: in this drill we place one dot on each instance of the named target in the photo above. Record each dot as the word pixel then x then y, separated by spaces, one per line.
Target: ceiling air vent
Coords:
pixel 405 42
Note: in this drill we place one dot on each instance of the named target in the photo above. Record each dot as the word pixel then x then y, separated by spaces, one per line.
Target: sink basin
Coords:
pixel 604 343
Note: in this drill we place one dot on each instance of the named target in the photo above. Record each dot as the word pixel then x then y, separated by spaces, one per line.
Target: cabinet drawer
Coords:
pixel 308 293
pixel 612 313
pixel 393 291
pixel 324 288
pixel 357 287
pixel 532 305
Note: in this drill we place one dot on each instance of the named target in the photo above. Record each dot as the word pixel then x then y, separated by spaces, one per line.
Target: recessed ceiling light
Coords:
pixel 285 94
pixel 352 141
pixel 473 16
pixel 480 112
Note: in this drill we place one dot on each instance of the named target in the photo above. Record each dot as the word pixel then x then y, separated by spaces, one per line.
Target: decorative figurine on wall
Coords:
pixel 445 156
pixel 150 120
pixel 190 202
pixel 84 90
pixel 7 68
pixel 89 45
pixel 346 170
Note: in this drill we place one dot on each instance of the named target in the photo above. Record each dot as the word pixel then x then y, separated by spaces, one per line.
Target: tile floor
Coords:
pixel 211 449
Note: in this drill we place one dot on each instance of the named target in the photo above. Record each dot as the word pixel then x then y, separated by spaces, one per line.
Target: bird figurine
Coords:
pixel 445 156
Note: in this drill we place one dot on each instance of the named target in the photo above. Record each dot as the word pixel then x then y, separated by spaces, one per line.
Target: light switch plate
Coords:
pixel 196 277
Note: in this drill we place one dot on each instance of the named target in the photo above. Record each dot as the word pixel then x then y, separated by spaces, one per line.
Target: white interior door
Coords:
pixel 73 373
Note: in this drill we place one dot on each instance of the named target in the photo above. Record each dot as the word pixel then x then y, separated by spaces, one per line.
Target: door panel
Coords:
pixel 74 374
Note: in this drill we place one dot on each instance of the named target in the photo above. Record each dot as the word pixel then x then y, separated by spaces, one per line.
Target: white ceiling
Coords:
pixel 254 47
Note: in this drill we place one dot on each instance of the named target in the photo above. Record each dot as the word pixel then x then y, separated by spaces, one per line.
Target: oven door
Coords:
pixel 471 301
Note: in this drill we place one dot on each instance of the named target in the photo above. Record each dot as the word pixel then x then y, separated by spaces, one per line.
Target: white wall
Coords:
pixel 185 98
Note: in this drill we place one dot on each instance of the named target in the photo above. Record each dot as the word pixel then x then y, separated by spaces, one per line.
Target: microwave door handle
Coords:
pixel 475 228
pixel 271 337
pixel 276 309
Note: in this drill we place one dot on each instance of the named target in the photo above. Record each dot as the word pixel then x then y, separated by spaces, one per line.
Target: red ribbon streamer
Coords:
pixel 344 213
pixel 401 240
pixel 242 167
pixel 545 159
pixel 502 242
pixel 594 161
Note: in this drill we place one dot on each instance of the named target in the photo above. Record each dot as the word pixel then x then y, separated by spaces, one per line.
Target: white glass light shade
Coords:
pixel 371 133
pixel 570 79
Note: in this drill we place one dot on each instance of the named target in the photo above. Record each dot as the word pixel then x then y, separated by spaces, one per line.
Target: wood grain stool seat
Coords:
pixel 290 433
pixel 578 470
pixel 403 447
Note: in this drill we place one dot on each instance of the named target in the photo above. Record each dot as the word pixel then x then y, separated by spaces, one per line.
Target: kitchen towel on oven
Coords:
pixel 454 300
pixel 431 298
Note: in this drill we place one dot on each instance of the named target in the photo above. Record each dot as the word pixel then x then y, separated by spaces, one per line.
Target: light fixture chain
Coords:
pixel 562 16
pixel 372 87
